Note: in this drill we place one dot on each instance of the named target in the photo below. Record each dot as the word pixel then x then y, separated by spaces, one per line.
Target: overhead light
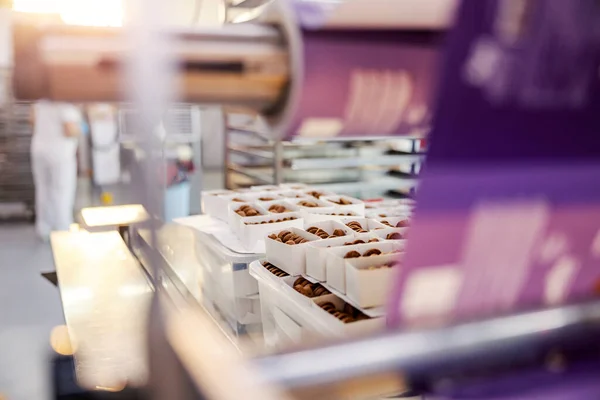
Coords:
pixel 77 12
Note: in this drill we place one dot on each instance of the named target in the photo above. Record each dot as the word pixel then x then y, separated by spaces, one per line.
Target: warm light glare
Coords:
pixel 77 12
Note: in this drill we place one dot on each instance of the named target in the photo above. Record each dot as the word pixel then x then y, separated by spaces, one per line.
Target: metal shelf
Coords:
pixel 321 163
pixel 356 166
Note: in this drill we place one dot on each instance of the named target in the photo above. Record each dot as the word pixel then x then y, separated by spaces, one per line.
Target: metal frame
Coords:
pixel 280 159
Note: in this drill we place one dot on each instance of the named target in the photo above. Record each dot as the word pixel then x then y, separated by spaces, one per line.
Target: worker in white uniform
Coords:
pixel 54 164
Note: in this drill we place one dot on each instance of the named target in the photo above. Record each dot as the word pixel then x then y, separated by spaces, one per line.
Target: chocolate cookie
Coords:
pixel 372 252
pixel 352 254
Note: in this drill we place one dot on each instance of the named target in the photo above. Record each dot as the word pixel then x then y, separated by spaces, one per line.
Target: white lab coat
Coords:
pixel 54 164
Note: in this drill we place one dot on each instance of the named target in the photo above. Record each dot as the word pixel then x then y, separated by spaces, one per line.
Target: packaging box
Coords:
pixel 385 232
pixel 336 263
pixel 290 206
pixel 366 223
pixel 316 259
pixel 398 211
pixel 357 206
pixel 336 214
pixel 214 203
pixel 393 221
pixel 340 328
pixel 293 194
pixel 370 287
pixel 252 231
pixel 289 258
pixel 264 188
pixel 317 193
pixel 256 197
pixel 294 186
pixel 288 290
pixel 329 227
pixel 235 220
pixel 321 205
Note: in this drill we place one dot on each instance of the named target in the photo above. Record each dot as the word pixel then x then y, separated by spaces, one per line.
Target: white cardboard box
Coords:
pixel 328 215
pixel 370 287
pixel 321 205
pixel 357 206
pixel 250 233
pixel 366 223
pixel 329 227
pixel 399 211
pixel 383 233
pixel 392 220
pixel 293 194
pixel 336 263
pixel 294 186
pixel 289 258
pixel 235 220
pixel 316 259
pixel 290 206
pixel 339 327
pixel 214 203
pixel 288 290
pixel 263 188
pixel 312 191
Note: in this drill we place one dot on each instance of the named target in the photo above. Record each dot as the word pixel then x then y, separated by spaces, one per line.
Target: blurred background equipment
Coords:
pixel 306 273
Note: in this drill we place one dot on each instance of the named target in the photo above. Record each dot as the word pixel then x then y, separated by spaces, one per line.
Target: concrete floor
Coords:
pixel 29 309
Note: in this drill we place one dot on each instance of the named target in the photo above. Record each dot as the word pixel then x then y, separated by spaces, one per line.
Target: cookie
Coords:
pixel 372 252
pixel 352 254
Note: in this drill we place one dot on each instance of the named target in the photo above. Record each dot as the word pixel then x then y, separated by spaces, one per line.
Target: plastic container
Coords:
pixel 226 285
pixel 289 317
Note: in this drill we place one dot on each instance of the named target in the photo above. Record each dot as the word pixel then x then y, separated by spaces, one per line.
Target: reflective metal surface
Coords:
pixel 105 296
pixel 487 345
pixel 244 65
pixel 114 215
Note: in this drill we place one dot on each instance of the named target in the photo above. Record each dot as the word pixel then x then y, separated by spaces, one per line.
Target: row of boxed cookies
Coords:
pixel 342 255
pixel 389 208
pixel 299 307
pixel 251 221
pixel 217 203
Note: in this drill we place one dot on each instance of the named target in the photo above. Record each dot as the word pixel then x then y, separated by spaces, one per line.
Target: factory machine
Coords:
pixel 495 294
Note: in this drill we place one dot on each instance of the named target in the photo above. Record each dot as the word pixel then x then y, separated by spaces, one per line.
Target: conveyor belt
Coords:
pixel 105 296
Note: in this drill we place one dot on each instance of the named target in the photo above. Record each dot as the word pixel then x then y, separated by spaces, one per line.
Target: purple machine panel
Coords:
pixel 363 83
pixel 508 212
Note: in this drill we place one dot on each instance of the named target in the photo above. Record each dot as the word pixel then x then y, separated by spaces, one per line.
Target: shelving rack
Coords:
pixel 364 167
pixel 16 179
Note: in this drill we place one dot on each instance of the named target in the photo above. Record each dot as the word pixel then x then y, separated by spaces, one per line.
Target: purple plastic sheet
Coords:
pixel 365 83
pixel 508 209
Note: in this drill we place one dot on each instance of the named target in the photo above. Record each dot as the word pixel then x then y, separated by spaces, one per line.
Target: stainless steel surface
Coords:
pixel 105 296
pixel 243 65
pixel 449 350
pixel 113 216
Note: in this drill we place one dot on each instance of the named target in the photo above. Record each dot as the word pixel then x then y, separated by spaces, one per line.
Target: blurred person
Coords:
pixel 54 164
